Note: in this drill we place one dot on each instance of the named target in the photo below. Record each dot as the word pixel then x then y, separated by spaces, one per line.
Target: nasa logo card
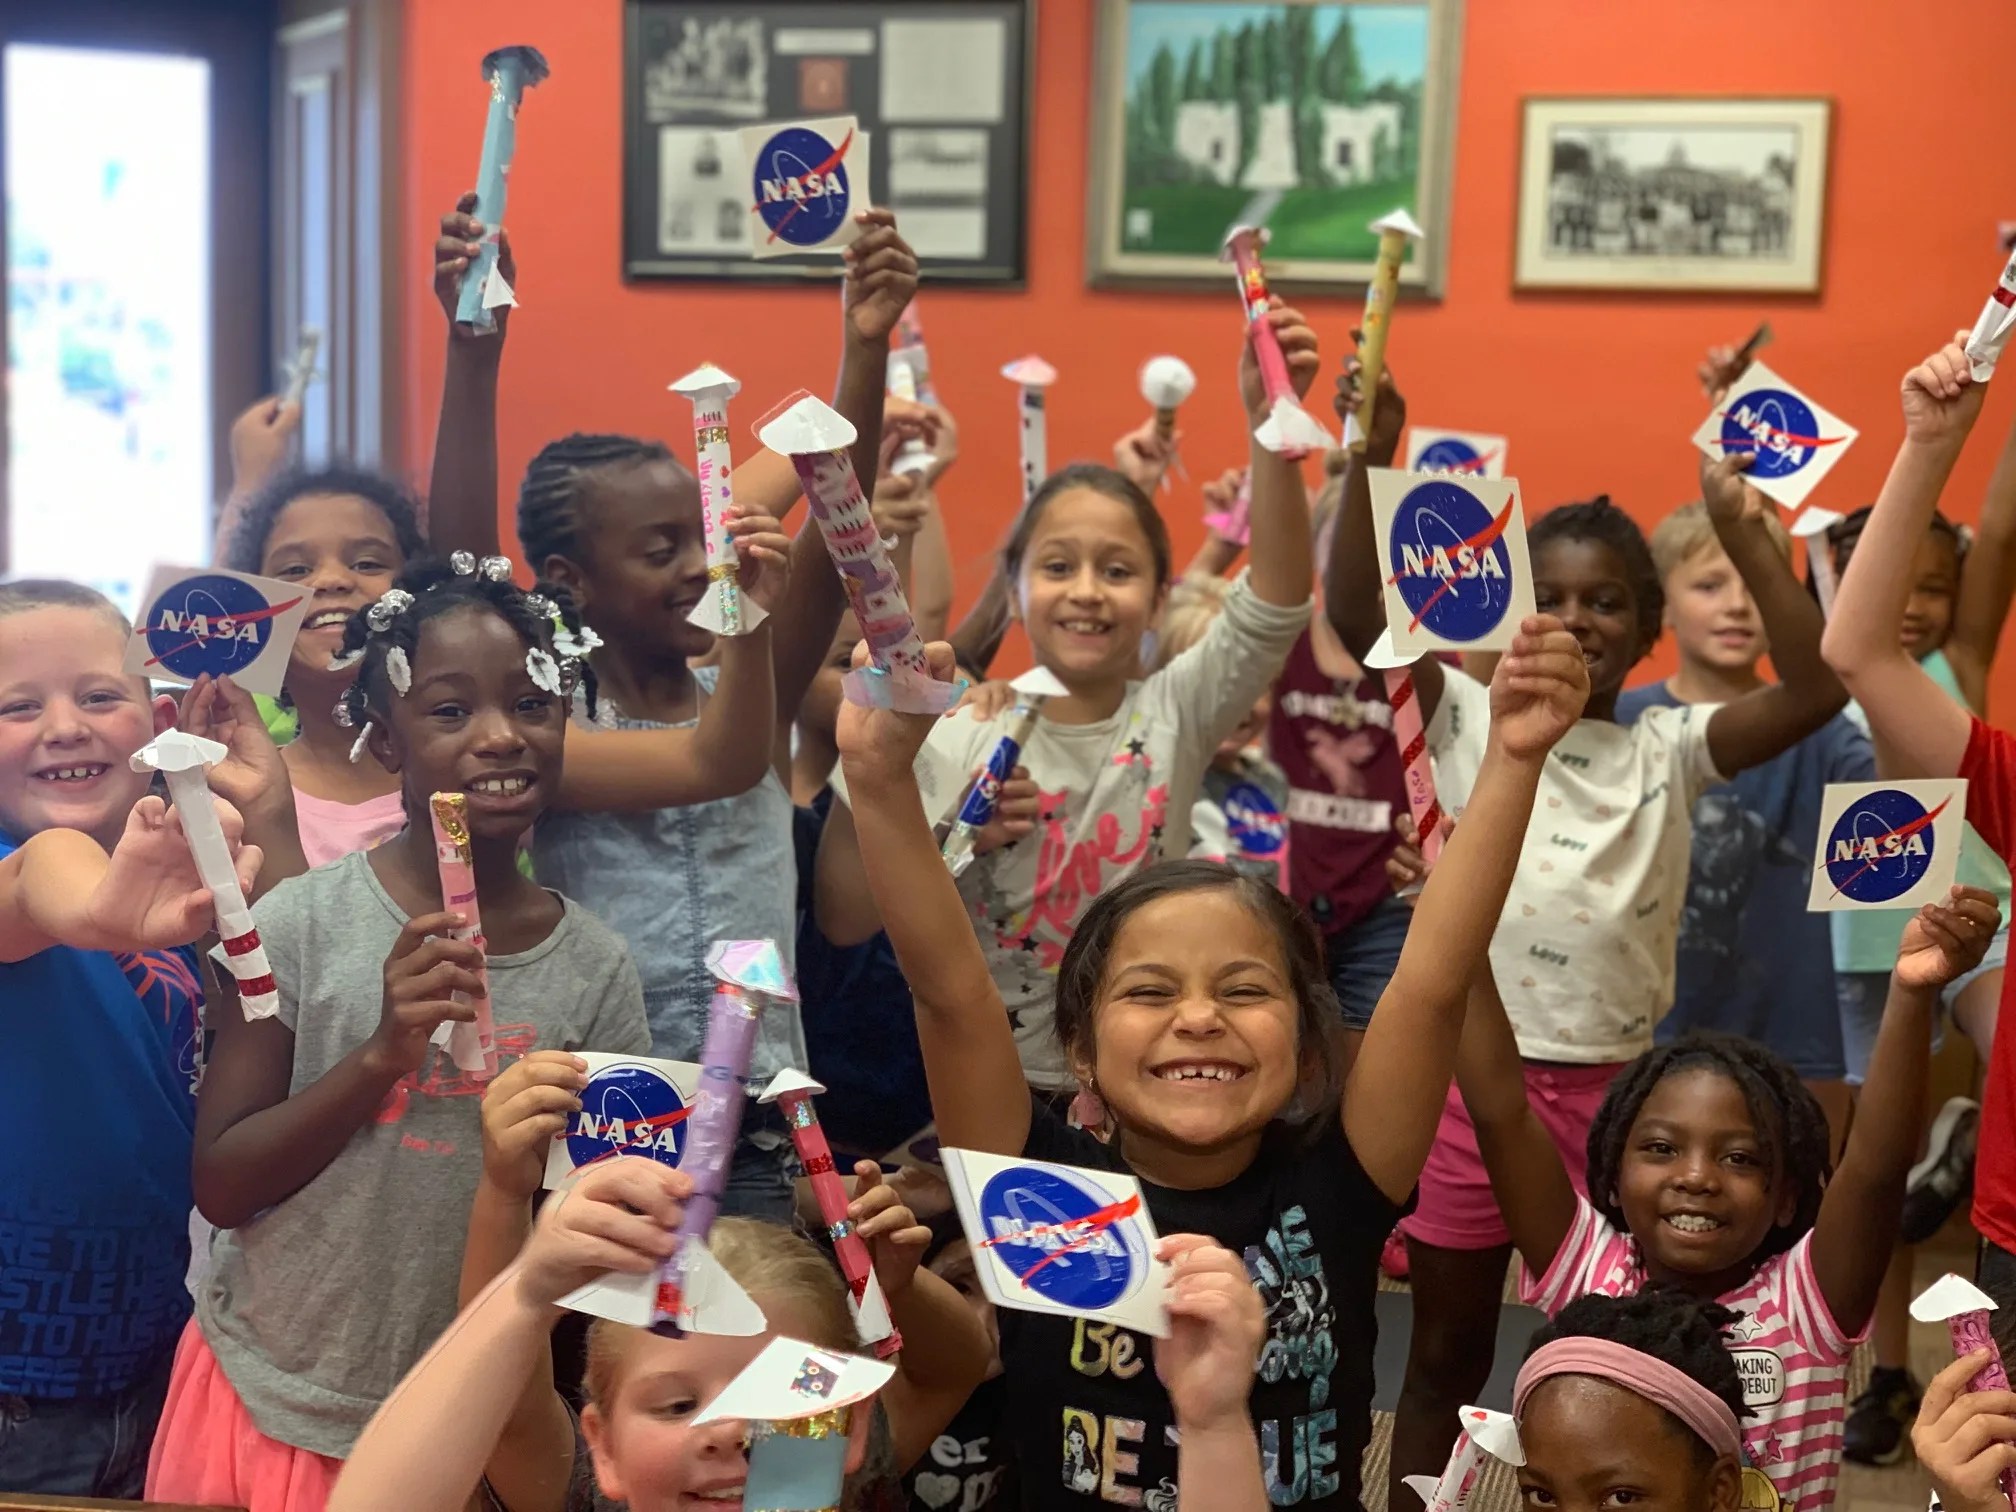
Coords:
pixel 1060 1239
pixel 632 1105
pixel 1452 553
pixel 1469 453
pixel 1887 844
pixel 1794 442
pixel 806 180
pixel 204 619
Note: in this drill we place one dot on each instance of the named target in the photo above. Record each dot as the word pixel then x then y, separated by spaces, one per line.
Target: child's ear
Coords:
pixel 165 713
pixel 1725 1487
pixel 558 570
pixel 858 1424
pixel 384 749
pixel 595 1429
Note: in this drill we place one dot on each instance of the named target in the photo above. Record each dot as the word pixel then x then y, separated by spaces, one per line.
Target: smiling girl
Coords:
pixel 318 1127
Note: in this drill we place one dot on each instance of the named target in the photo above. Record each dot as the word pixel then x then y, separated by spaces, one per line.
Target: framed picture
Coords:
pixel 1681 194
pixel 1310 117
pixel 940 88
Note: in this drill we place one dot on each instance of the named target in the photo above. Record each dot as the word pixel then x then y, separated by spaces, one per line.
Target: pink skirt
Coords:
pixel 208 1453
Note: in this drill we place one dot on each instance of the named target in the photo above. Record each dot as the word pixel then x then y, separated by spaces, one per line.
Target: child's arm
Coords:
pixel 438 1434
pixel 977 1092
pixel 945 1347
pixel 1986 585
pixel 60 888
pixel 261 439
pixel 1966 1440
pixel 1915 723
pixel 1394 1095
pixel 732 746
pixel 1279 563
pixel 462 493
pixel 1216 1330
pixel 1857 1226
pixel 255 1145
pixel 1767 720
pixel 1217 556
pixel 252 776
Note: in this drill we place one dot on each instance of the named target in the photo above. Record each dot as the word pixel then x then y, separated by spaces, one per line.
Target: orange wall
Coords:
pixel 1596 393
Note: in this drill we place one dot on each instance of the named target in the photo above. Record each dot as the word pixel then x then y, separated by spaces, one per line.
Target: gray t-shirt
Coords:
pixel 320 1304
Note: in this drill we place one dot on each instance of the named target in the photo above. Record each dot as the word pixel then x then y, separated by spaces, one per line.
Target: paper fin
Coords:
pixel 1422 1486
pixel 714 1302
pixel 710 613
pixel 871 1313
pixel 907 692
pixel 1291 429
pixel 496 292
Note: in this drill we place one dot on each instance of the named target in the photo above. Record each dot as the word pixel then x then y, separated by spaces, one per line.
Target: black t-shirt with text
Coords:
pixel 1090 1420
pixel 968 1467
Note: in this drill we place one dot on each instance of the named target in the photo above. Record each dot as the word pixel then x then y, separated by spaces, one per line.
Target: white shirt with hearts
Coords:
pixel 1583 954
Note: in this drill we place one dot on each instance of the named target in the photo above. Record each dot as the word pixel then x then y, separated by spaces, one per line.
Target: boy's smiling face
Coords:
pixel 1713 617
pixel 69 721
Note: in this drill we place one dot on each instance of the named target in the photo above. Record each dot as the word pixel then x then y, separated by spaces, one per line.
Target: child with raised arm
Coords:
pixel 99 1003
pixel 1117 760
pixel 1194 1003
pixel 1584 951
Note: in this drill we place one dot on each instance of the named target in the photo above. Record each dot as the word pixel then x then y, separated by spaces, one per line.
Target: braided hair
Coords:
pixel 1605 524
pixel 247 548
pixel 550 499
pixel 1846 533
pixel 1787 1117
pixel 429 588
pixel 1670 1325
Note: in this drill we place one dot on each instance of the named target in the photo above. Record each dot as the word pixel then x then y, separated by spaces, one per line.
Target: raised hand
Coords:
pixel 1717 371
pixel 1730 497
pixel 262 437
pixel 1539 689
pixel 881 277
pixel 150 896
pixel 901 505
pixel 1142 456
pixel 1298 348
pixel 1015 811
pixel 251 773
pixel 1389 409
pixel 619 1216
pixel 425 967
pixel 1943 942
pixel 1966 1440
pixel 1216 1328
pixel 1941 398
pixel 896 1240
pixel 988 700
pixel 878 745
pixel 455 249
pixel 1405 869
pixel 525 1109
pixel 764 552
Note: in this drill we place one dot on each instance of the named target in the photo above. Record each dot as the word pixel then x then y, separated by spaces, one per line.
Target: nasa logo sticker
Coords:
pixel 1791 440
pixel 1254 820
pixel 1062 1237
pixel 805 178
pixel 206 620
pixel 632 1105
pixel 1887 844
pixel 1453 555
pixel 1446 451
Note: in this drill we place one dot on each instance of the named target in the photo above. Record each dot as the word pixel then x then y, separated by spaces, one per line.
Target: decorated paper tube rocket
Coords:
pixel 1395 232
pixel 472 1046
pixel 301 369
pixel 1963 1307
pixel 1416 772
pixel 509 71
pixel 748 974
pixel 1486 1436
pixel 793 1092
pixel 1998 319
pixel 1288 428
pixel 1032 375
pixel 185 760
pixel 816 437
pixel 1165 383
pixel 908 372
pixel 1031 688
pixel 722 608
pixel 797 1400
pixel 1235 523
pixel 910 341
pixel 1812 526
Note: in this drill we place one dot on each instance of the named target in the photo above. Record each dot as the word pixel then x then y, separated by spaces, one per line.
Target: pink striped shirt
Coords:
pixel 1791 1354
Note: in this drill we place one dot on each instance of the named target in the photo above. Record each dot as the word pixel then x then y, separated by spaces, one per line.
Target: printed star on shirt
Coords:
pixel 1770 1451
pixel 1027 943
pixel 1155 834
pixel 1744 1329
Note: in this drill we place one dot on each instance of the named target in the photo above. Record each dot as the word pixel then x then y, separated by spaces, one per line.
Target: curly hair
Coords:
pixel 1319 1036
pixel 247 549
pixel 1668 1324
pixel 1603 523
pixel 1788 1120
pixel 550 498
pixel 1846 533
pixel 438 589
pixel 1106 481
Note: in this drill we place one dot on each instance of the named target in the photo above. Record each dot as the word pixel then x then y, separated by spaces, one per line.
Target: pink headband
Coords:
pixel 1659 1383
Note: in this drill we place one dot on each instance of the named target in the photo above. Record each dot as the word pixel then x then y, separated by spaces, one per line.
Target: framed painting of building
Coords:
pixel 1312 118
pixel 1683 194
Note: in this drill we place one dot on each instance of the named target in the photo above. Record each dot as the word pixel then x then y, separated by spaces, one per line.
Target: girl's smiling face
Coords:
pixel 1587 585
pixel 1086 589
pixel 1593 1446
pixel 342 551
pixel 644 551
pixel 475 722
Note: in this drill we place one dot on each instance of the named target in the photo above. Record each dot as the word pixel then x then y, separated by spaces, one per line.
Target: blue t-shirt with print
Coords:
pixel 97 1107
pixel 1752 960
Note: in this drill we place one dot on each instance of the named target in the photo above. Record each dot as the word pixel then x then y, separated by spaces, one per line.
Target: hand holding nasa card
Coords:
pixel 205 619
pixel 1470 453
pixel 1452 554
pixel 1061 1239
pixel 1793 440
pixel 806 180
pixel 1887 844
pixel 632 1105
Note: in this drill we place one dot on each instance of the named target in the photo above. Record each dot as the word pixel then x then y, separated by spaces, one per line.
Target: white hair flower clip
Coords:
pixel 343 661
pixel 399 670
pixel 357 746
pixel 392 603
pixel 573 643
pixel 543 670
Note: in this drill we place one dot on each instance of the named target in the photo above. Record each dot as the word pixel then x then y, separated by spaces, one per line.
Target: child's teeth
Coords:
pixel 1692 1223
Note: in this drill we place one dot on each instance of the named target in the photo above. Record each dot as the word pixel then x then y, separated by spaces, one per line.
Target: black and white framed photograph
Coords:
pixel 1673 194
pixel 940 88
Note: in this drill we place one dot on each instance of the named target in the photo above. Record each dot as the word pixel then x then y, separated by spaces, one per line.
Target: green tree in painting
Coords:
pixel 1273 61
pixel 1158 98
pixel 1298 24
pixel 1195 85
pixel 1247 94
pixel 1340 76
pixel 1223 75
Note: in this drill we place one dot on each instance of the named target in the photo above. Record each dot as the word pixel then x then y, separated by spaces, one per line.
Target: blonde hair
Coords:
pixel 766 1259
pixel 1688 531
pixel 29 594
pixel 1193 604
